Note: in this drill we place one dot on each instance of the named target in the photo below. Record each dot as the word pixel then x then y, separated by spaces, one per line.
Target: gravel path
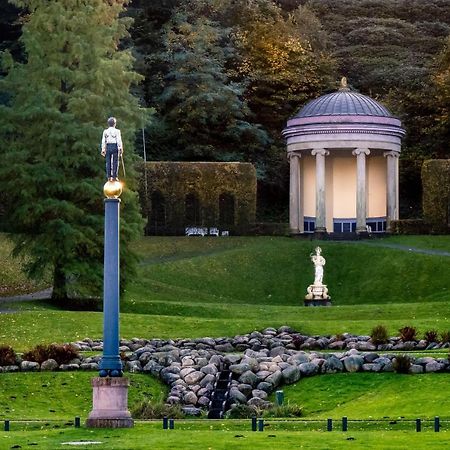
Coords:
pixel 41 295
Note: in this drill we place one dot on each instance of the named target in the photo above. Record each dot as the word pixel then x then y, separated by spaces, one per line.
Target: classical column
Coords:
pixel 392 188
pixel 321 225
pixel 295 194
pixel 361 196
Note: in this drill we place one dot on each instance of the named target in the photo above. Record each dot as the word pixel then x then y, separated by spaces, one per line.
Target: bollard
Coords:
pixel 437 425
pixel 254 423
pixel 77 422
pixel 344 424
pixel 261 425
pixel 329 424
pixel 171 424
pixel 165 423
pixel 6 425
pixel 279 397
pixel 418 425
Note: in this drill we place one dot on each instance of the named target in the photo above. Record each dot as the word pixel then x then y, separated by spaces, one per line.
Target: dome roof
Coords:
pixel 343 103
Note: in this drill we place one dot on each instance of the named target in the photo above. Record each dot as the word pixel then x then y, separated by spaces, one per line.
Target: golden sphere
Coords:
pixel 112 189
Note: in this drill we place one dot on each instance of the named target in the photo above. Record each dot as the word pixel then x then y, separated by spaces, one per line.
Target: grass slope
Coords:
pixel 61 395
pixel 191 287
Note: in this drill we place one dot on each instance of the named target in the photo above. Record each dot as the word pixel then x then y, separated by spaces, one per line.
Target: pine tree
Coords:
pixel 74 77
pixel 202 115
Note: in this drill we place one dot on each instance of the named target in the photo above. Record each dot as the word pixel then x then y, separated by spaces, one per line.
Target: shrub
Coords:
pixel 62 354
pixel 7 356
pixel 431 336
pixel 379 335
pixel 445 337
pixel 287 410
pixel 147 409
pixel 408 334
pixel 242 412
pixel 401 364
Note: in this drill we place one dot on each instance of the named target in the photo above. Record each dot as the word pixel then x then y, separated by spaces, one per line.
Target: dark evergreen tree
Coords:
pixel 201 114
pixel 74 77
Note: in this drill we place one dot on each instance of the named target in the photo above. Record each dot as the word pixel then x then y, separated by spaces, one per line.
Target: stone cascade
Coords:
pixel 220 395
pixel 259 362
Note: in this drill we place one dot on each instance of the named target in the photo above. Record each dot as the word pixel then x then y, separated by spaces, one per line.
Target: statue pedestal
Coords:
pixel 110 403
pixel 317 295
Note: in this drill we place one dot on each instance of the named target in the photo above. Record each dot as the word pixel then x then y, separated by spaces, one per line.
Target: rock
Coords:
pixel 246 389
pixel 308 369
pixel 187 361
pixel 49 364
pixel 388 367
pixel 203 401
pixel 277 351
pixel 249 377
pixel 169 377
pixel 152 367
pixel 89 366
pixel 190 398
pixel 216 360
pixel 332 365
pixel 11 368
pixel 291 374
pixel 259 393
pixel 433 367
pixel 298 358
pixel 353 363
pixel 275 378
pixel 207 379
pixel 186 371
pixel 370 357
pixel 209 369
pixel 69 367
pixel 265 386
pixel 286 329
pixel 29 366
pixel 337 345
pixel 370 367
pixel 224 348
pixel 133 366
pixel 232 359
pixel 365 346
pixel 416 368
pixel 425 360
pixel 237 396
pixel 239 369
pixel 194 377
pixel 252 362
pixel 173 400
pixel 259 403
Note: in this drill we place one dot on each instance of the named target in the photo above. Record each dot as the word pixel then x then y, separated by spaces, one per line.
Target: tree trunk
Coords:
pixel 59 294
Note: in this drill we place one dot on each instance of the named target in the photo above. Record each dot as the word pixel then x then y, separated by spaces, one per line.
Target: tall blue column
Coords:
pixel 110 364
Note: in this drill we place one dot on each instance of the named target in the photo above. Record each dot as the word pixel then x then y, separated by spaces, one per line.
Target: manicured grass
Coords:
pixel 372 396
pixel 422 242
pixel 12 280
pixel 62 395
pixel 191 287
pixel 236 437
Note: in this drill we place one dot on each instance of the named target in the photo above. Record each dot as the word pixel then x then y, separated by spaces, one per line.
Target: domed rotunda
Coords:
pixel 343 150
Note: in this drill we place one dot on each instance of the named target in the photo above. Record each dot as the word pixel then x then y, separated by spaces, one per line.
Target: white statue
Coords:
pixel 318 261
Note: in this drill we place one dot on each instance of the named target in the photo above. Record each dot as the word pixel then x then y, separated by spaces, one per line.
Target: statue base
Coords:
pixel 317 295
pixel 110 403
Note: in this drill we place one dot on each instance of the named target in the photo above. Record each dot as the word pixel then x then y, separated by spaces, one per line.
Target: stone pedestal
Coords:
pixel 317 295
pixel 110 403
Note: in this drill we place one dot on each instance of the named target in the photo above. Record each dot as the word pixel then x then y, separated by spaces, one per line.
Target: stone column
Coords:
pixel 392 188
pixel 295 194
pixel 361 187
pixel 321 224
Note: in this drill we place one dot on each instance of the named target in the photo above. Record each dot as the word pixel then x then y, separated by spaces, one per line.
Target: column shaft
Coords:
pixel 295 195
pixel 361 188
pixel 392 188
pixel 321 225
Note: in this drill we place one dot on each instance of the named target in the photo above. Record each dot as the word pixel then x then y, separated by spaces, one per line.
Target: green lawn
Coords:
pixel 62 395
pixel 191 287
pixel 222 436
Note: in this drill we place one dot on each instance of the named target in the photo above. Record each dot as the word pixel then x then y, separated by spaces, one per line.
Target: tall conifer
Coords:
pixel 74 77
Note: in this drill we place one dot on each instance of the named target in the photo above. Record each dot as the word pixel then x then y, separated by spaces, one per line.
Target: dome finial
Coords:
pixel 344 85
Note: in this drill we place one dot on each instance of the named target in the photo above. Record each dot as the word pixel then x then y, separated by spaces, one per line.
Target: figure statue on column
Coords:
pixel 112 149
pixel 317 293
